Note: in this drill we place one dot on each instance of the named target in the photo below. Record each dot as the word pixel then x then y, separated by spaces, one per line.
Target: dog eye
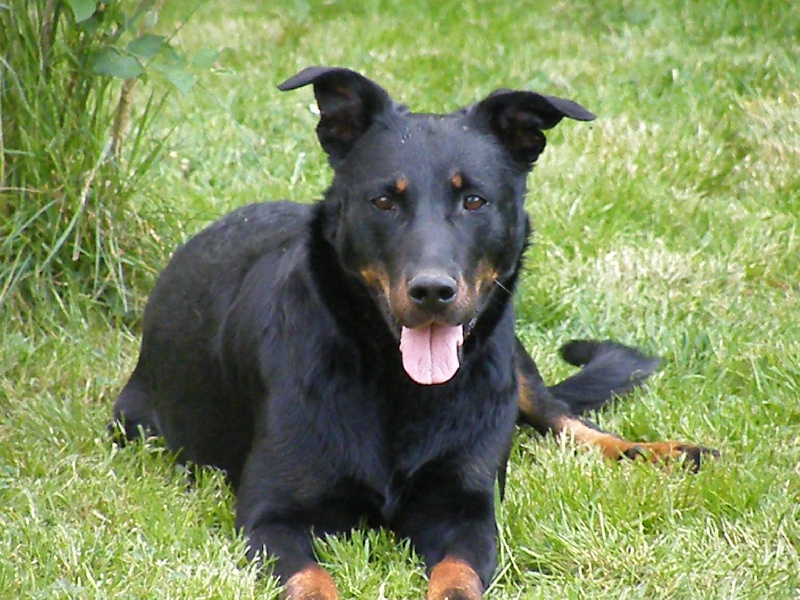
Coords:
pixel 473 202
pixel 383 203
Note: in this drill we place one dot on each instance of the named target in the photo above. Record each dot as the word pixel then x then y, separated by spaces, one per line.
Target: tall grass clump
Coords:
pixel 81 85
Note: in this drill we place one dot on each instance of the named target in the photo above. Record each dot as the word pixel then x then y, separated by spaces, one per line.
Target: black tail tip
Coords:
pixel 580 353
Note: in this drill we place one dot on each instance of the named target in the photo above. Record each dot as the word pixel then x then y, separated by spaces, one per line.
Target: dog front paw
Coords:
pixel 312 583
pixel 454 579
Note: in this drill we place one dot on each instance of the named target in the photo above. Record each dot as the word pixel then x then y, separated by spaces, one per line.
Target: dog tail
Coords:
pixel 609 369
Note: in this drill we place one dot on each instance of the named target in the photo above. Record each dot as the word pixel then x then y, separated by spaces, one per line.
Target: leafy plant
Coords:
pixel 76 144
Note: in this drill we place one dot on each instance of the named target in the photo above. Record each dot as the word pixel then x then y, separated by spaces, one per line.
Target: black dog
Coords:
pixel 355 360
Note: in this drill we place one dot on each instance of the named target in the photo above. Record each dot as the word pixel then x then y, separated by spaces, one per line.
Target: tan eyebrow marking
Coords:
pixel 401 185
pixel 457 180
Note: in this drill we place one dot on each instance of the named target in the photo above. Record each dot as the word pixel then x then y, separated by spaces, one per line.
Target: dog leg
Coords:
pixel 447 511
pixel 615 448
pixel 541 409
pixel 290 544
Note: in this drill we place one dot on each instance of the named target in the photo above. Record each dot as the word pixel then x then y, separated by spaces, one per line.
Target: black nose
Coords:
pixel 432 291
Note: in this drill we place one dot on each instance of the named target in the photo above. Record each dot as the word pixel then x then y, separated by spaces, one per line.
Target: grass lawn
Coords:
pixel 672 222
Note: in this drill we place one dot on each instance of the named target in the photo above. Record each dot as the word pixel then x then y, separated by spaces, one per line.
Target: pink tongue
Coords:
pixel 430 353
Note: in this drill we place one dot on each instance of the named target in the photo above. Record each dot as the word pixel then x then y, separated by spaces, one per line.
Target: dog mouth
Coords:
pixel 430 341
pixel 431 353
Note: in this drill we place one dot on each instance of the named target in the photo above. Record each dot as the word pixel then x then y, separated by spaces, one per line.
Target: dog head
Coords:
pixel 429 208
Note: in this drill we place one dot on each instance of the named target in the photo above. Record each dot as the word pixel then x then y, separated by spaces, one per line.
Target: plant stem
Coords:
pixel 123 112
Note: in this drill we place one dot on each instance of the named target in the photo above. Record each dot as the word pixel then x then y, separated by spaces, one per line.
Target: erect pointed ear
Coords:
pixel 517 119
pixel 348 103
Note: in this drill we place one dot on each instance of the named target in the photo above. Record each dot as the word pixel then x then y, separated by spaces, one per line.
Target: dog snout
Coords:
pixel 432 291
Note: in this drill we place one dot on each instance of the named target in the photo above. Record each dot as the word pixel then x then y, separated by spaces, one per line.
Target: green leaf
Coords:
pixel 204 58
pixel 90 26
pixel 150 19
pixel 109 61
pixel 147 46
pixel 171 58
pixel 180 79
pixel 82 9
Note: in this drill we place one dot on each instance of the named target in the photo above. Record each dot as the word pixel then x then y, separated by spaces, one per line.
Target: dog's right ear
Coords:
pixel 348 103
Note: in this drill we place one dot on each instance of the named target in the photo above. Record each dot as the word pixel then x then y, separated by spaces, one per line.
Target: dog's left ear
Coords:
pixel 517 119
pixel 348 104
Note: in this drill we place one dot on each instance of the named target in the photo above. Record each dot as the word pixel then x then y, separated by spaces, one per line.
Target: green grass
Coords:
pixel 672 222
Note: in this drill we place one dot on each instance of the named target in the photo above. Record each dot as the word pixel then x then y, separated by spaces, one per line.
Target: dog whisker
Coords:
pixel 501 286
